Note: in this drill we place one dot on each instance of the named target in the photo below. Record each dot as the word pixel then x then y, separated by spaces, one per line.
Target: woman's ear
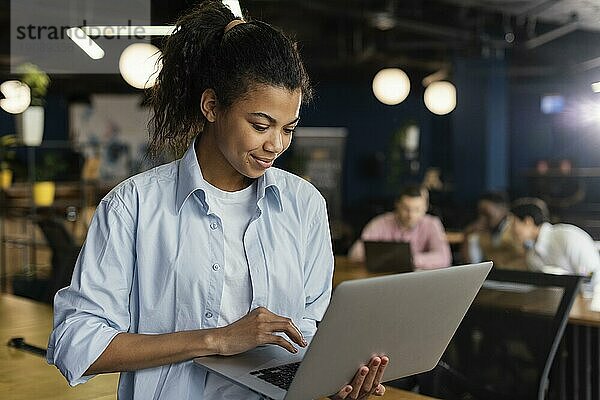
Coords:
pixel 208 105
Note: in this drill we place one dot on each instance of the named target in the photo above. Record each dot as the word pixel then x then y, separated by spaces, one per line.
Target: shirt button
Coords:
pixel 208 314
pixel 214 226
pixel 216 267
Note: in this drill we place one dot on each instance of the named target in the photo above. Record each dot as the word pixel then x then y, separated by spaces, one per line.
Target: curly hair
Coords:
pixel 200 55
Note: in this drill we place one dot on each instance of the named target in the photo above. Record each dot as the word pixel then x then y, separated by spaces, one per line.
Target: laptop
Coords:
pixel 408 317
pixel 388 256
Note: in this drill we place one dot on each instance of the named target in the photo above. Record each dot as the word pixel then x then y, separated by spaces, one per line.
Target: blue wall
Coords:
pixel 480 128
pixel 371 126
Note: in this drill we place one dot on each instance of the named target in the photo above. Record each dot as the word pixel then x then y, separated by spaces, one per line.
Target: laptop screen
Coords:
pixel 388 256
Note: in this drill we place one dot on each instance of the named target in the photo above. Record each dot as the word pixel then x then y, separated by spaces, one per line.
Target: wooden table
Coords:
pixel 347 270
pixel 27 376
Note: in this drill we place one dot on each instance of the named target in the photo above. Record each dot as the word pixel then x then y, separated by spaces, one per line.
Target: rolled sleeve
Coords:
pixel 95 307
pixel 318 271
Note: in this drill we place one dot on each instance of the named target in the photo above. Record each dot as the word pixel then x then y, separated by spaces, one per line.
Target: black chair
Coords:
pixel 64 255
pixel 506 343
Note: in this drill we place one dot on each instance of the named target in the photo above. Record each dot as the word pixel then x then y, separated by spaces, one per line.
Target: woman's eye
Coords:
pixel 289 131
pixel 260 128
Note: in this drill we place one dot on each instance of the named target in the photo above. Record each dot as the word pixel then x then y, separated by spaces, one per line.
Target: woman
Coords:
pixel 217 252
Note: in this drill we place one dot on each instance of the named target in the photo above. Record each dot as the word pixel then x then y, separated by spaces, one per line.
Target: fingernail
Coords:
pixel 348 389
pixel 364 371
pixel 295 350
pixel 304 342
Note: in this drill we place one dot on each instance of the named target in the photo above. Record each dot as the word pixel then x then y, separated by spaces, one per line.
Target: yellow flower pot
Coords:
pixel 6 176
pixel 43 193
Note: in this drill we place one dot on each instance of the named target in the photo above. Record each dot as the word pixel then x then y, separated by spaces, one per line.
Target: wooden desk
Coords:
pixel 25 376
pixel 455 237
pixel 346 270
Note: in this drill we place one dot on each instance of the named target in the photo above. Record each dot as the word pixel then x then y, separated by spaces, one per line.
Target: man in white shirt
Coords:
pixel 559 248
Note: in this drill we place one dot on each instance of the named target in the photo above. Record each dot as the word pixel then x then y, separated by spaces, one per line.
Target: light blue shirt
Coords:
pixel 152 263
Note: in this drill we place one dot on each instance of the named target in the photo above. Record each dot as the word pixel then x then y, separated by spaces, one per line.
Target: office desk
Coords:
pixel 346 270
pixel 25 376
pixel 573 373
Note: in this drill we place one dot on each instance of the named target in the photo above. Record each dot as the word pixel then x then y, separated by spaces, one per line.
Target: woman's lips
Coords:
pixel 264 162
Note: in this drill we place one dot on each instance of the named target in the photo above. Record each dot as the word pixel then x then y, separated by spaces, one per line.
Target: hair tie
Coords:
pixel 232 24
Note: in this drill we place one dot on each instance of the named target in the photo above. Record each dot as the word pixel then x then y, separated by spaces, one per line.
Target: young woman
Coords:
pixel 217 252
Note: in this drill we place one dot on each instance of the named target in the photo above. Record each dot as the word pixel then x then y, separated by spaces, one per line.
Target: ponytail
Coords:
pixel 203 54
pixel 175 97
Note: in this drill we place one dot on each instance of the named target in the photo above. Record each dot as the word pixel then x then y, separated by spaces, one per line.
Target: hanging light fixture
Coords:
pixel 17 96
pixel 440 97
pixel 391 86
pixel 139 65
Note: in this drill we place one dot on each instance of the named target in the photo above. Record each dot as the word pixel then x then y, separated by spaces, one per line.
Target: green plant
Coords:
pixel 37 80
pixel 51 166
pixel 7 155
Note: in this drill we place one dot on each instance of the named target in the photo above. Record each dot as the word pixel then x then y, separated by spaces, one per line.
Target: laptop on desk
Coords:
pixel 408 317
pixel 388 256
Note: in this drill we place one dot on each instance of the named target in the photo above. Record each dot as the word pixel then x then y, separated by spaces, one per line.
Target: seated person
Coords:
pixel 559 248
pixel 490 237
pixel 409 223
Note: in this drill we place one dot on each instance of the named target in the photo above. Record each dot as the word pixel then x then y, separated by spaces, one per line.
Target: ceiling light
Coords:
pixel 81 39
pixel 128 30
pixel 139 65
pixel 596 87
pixel 17 96
pixel 440 97
pixel 391 86
pixel 234 6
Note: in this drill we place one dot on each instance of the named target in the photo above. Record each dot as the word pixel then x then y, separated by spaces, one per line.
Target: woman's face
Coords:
pixel 257 128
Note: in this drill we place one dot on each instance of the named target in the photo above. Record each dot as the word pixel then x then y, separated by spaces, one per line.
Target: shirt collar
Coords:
pixel 542 242
pixel 190 179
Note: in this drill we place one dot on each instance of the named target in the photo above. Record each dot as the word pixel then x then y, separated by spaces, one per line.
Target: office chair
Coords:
pixel 506 343
pixel 64 255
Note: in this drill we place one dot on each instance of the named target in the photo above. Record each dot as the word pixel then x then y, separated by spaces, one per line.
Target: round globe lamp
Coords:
pixel 391 86
pixel 17 96
pixel 440 97
pixel 139 65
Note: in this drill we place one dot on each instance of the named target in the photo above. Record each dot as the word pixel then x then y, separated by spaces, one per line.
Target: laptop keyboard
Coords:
pixel 280 376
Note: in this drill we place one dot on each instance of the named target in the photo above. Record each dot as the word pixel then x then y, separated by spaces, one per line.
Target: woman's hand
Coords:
pixel 255 329
pixel 366 381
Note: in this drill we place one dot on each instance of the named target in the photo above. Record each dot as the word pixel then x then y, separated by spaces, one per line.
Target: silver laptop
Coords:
pixel 409 317
pixel 388 256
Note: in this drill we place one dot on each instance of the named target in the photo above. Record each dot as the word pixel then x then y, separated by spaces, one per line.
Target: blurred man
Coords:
pixel 409 223
pixel 491 237
pixel 559 248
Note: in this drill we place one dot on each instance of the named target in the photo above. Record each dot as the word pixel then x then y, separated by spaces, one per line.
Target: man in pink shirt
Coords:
pixel 409 223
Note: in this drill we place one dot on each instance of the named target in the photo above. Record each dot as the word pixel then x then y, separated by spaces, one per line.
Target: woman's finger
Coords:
pixel 380 391
pixel 287 326
pixel 278 340
pixel 379 376
pixel 357 382
pixel 342 394
pixel 370 377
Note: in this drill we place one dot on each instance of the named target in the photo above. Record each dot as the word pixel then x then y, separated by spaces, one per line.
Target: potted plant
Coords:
pixel 44 187
pixel 30 123
pixel 6 156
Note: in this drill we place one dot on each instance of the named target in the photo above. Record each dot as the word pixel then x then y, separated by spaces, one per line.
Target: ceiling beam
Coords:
pixel 537 9
pixel 552 35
